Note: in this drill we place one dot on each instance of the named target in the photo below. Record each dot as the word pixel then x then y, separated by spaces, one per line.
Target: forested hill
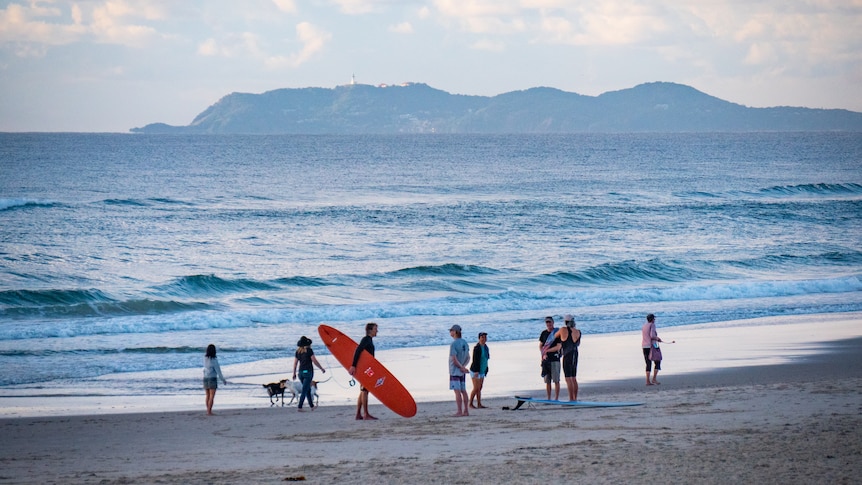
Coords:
pixel 419 108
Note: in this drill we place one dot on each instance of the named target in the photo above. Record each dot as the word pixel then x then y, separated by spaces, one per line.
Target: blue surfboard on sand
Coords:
pixel 577 404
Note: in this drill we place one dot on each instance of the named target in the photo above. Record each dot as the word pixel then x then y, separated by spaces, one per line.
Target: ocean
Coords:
pixel 130 253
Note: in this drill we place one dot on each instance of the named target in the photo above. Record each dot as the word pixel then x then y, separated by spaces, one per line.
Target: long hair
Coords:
pixel 211 351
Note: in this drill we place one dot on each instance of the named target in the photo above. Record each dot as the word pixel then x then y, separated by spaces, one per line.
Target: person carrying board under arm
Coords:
pixel 366 344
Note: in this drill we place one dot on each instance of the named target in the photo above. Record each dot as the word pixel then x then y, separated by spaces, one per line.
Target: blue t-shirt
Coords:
pixel 461 351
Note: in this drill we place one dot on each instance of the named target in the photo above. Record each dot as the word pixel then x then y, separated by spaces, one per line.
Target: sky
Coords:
pixel 109 66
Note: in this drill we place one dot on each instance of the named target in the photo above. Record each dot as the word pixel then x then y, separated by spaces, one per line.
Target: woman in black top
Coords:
pixel 571 339
pixel 306 360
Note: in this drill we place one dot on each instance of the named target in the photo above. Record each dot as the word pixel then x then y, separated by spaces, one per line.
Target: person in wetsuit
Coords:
pixel 366 344
pixel 570 338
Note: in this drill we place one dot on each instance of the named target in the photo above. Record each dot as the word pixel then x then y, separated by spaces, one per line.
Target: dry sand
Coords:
pixel 791 422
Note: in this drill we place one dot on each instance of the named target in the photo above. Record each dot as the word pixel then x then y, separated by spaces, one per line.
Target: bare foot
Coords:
pixel 656 382
pixel 472 406
pixel 359 417
pixel 300 410
pixel 649 383
pixel 369 417
pixel 482 407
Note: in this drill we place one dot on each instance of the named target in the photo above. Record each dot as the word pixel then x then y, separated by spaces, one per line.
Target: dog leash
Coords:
pixel 351 382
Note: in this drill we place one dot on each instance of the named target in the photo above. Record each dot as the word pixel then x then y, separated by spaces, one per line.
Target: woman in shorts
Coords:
pixel 479 369
pixel 212 373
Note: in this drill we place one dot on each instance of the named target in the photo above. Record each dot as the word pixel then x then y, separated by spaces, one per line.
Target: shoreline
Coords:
pixel 607 363
pixel 787 422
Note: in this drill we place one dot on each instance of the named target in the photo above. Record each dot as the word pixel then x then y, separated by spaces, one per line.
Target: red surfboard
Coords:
pixel 369 372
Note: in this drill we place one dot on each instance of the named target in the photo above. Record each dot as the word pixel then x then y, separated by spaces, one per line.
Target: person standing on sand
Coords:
pixel 306 360
pixel 212 373
pixel 366 344
pixel 570 339
pixel 549 345
pixel 479 369
pixel 649 336
pixel 459 357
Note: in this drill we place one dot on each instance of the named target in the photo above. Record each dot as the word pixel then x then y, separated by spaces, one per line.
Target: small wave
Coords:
pixel 815 260
pixel 198 285
pixel 104 309
pixel 449 269
pixel 818 190
pixel 302 281
pixel 821 190
pixel 12 204
pixel 653 270
pixel 167 201
pixel 127 202
pixel 43 298
pixel 697 195
pixel 464 305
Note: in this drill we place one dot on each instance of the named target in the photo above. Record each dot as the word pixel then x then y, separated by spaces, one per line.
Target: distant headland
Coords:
pixel 419 108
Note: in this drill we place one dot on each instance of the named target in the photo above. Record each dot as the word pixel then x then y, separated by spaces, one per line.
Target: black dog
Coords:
pixel 275 389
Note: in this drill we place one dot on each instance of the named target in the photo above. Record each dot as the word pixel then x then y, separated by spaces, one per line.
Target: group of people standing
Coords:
pixel 459 357
pixel 558 349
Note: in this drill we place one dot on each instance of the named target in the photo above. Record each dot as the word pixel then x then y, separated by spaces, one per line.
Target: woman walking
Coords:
pixel 306 361
pixel 212 374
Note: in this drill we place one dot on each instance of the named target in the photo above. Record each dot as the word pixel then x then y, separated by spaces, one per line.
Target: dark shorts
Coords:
pixel 210 382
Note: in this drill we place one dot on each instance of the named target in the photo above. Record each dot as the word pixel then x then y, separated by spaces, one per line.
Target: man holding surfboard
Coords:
pixel 366 344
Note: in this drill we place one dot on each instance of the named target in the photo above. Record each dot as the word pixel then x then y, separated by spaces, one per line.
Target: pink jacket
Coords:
pixel 648 334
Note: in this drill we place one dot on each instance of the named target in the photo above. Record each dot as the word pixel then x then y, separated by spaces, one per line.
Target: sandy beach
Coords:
pixel 755 401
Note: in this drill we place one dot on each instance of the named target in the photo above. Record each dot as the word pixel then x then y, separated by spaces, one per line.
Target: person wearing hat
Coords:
pixel 479 369
pixel 570 339
pixel 306 361
pixel 459 357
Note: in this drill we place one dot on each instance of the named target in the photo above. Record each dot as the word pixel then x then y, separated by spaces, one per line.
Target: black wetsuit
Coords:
pixel 570 355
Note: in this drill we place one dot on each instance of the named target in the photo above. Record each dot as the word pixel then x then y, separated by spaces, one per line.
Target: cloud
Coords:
pixel 313 40
pixel 402 28
pixel 357 7
pixel 488 45
pixel 768 34
pixel 109 23
pixel 233 46
pixel 286 6
pixel 35 24
pixel 121 22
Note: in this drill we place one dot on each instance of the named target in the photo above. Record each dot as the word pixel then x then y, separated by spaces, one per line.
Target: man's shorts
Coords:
pixel 554 376
pixel 457 383
pixel 477 375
